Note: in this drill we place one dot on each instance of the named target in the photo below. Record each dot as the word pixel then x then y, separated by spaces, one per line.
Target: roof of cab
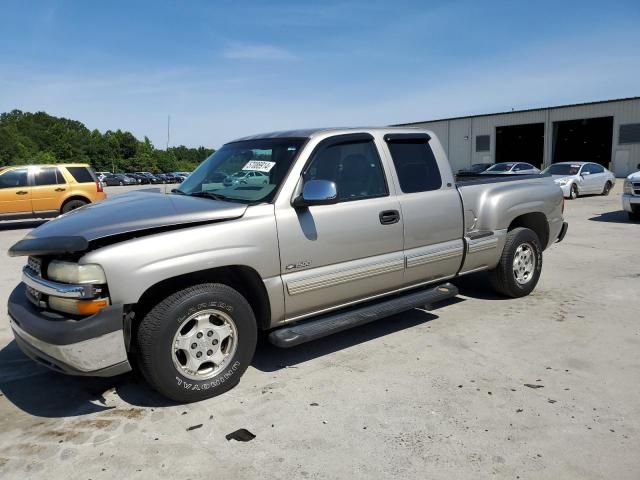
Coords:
pixel 311 132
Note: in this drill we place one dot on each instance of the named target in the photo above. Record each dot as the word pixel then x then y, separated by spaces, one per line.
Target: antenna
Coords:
pixel 168 130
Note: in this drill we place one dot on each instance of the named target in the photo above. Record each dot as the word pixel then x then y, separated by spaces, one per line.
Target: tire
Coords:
pixel 72 205
pixel 504 278
pixel 573 192
pixel 607 188
pixel 185 318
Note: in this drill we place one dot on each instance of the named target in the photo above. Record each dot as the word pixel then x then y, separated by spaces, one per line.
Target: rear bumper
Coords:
pixel 631 203
pixel 93 346
pixel 563 231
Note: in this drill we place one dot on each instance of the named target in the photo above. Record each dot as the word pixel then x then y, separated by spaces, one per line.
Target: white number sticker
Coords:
pixel 259 166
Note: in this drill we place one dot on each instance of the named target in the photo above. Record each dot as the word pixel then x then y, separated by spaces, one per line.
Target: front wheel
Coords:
pixel 573 192
pixel 197 343
pixel 520 265
pixel 607 189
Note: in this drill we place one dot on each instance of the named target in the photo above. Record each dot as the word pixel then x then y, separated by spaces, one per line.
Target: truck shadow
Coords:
pixel 476 285
pixel 44 393
pixel 618 216
pixel 269 358
pixel 20 224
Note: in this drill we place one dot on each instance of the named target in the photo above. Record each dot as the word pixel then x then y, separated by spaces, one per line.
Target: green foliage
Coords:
pixel 36 138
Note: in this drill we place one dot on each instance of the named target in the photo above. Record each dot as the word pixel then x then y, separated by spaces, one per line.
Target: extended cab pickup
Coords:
pixel 327 229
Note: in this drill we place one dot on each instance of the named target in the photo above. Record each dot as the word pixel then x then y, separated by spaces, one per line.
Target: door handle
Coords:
pixel 21 192
pixel 389 217
pixel 60 189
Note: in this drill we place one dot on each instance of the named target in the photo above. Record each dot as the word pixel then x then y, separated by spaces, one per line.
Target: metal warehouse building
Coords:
pixel 606 132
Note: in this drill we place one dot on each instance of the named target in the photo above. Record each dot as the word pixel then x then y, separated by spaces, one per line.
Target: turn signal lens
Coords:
pixel 78 307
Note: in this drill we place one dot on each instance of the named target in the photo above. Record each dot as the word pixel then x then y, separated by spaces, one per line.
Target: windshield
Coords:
pixel 248 171
pixel 563 169
pixel 501 167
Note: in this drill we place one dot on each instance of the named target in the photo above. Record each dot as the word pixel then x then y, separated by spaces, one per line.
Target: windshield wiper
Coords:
pixel 215 196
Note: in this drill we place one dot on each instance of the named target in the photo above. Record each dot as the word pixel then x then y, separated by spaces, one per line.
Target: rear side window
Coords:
pixel 415 164
pixel 14 178
pixel 48 176
pixel 596 168
pixel 81 174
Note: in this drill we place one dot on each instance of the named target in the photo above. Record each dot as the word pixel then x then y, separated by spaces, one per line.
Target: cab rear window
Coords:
pixel 82 174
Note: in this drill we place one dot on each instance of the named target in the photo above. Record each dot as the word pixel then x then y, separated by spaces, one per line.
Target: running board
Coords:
pixel 331 323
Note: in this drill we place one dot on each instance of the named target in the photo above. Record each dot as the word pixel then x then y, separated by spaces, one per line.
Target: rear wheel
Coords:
pixel 72 205
pixel 197 342
pixel 573 192
pixel 607 188
pixel 520 265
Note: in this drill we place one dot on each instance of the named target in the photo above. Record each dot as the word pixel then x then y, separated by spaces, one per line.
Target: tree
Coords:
pixel 31 138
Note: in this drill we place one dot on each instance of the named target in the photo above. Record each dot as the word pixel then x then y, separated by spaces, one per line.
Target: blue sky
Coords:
pixel 225 69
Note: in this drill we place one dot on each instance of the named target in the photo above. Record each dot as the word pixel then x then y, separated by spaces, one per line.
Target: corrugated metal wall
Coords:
pixel 458 135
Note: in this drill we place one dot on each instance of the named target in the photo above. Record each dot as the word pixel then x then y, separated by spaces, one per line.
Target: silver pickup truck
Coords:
pixel 300 233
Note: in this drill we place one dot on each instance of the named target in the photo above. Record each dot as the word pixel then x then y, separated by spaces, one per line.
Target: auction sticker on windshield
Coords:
pixel 259 166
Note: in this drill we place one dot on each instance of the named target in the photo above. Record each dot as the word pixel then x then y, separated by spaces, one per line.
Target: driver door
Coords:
pixel 332 255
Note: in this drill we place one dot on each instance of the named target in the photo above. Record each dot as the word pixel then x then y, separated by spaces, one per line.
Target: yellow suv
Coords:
pixel 30 191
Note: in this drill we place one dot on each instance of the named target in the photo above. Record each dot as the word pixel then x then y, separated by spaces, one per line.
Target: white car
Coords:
pixel 511 168
pixel 581 178
pixel 247 176
pixel 631 196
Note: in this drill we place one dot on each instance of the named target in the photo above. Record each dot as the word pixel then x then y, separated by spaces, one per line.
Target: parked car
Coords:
pixel 511 168
pixel 181 176
pixel 246 177
pixel 151 177
pixel 140 179
pixel 119 179
pixel 580 178
pixel 474 169
pixel 42 191
pixel 355 225
pixel 631 196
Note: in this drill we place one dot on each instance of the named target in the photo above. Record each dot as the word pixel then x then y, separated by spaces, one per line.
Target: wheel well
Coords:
pixel 74 197
pixel 243 279
pixel 535 221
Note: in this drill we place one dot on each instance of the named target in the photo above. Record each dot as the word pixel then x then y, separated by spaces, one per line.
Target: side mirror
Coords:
pixel 585 173
pixel 317 192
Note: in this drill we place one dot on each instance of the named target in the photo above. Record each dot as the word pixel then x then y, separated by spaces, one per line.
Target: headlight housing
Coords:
pixel 70 272
pixel 628 187
pixel 562 181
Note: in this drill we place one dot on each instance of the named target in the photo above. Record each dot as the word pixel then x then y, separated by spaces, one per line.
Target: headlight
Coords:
pixel 562 181
pixel 628 187
pixel 69 272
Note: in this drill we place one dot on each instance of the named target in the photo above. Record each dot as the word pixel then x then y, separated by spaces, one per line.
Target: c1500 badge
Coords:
pixel 301 264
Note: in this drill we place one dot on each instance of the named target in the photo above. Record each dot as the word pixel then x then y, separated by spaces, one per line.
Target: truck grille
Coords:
pixel 636 188
pixel 35 265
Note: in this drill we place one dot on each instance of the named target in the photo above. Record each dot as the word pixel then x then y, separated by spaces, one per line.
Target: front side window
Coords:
pixel 415 164
pixel 14 178
pixel 248 171
pixel 354 167
pixel 47 176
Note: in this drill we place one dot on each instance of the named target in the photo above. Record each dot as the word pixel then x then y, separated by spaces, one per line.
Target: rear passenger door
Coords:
pixel 48 189
pixel 430 206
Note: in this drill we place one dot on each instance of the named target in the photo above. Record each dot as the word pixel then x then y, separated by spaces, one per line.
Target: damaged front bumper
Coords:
pixel 92 346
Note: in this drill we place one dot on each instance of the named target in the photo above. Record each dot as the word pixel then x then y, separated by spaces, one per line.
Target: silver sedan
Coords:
pixel 581 178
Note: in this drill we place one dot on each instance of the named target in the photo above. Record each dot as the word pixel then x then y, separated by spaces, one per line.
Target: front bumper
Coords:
pixel 93 346
pixel 631 203
pixel 566 189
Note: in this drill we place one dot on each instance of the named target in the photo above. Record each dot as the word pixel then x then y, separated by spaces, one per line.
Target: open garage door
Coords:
pixel 587 140
pixel 520 143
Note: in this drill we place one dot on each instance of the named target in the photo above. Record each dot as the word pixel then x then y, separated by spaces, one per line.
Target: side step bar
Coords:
pixel 331 323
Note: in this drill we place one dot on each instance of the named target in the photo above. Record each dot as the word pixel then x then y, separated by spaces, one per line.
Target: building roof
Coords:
pixel 517 111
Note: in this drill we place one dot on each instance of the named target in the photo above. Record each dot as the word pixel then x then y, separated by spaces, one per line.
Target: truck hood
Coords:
pixel 124 214
pixel 634 177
